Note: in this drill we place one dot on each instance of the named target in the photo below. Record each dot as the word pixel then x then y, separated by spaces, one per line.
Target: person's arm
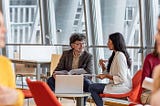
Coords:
pixel 122 68
pixel 6 93
pixel 89 65
pixel 156 79
pixel 146 72
pixel 12 85
pixel 121 65
pixel 61 63
pixel 102 76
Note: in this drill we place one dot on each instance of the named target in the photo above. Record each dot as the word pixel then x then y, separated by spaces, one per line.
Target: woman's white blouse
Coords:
pixel 122 81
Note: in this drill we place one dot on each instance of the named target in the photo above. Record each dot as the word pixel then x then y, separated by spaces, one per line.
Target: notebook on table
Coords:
pixel 69 84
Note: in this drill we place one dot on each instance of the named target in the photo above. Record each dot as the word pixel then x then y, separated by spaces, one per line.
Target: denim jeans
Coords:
pixel 95 90
pixel 87 82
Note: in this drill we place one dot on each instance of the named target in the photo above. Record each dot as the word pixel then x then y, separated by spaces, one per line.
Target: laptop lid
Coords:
pixel 69 84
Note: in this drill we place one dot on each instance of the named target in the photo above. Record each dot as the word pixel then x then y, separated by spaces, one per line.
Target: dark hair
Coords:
pixel 155 51
pixel 119 45
pixel 76 37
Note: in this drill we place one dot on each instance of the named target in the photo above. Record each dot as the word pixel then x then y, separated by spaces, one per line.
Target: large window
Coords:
pixel 115 16
pixel 69 18
pixel 58 19
pixel 24 22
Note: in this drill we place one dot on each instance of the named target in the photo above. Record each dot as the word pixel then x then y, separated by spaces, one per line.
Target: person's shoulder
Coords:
pixel 150 55
pixel 4 59
pixel 120 54
pixel 67 52
pixel 87 53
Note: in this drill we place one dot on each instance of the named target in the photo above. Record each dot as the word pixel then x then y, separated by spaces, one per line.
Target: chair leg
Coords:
pixel 22 81
pixel 59 99
pixel 28 102
pixel 74 99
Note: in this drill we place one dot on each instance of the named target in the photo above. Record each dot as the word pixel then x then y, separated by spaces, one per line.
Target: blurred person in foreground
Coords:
pixel 9 96
pixel 150 62
pixel 156 80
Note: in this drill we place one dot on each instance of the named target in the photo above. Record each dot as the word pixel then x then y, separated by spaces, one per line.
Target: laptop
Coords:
pixel 69 84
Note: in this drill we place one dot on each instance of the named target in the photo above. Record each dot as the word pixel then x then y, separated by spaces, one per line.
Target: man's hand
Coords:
pixel 54 75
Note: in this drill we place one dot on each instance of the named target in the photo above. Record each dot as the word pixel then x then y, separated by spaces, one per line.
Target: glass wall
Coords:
pixel 69 18
pixel 24 22
pixel 51 22
pixel 114 16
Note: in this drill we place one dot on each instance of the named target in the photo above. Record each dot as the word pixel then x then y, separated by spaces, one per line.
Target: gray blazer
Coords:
pixel 85 61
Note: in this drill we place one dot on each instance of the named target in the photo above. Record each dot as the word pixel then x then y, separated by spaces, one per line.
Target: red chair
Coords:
pixel 27 94
pixel 133 95
pixel 42 94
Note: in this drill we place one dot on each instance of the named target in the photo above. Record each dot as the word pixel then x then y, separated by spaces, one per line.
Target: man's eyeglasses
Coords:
pixel 80 43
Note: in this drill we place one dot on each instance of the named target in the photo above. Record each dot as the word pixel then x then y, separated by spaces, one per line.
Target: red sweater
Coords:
pixel 149 63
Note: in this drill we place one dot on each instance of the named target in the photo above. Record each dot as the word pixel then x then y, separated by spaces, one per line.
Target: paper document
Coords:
pixel 62 72
pixel 147 83
pixel 78 71
pixel 90 75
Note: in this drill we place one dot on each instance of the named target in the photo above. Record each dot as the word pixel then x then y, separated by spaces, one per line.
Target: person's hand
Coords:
pixel 8 96
pixel 101 76
pixel 155 98
pixel 54 75
pixel 156 78
pixel 102 64
pixel 157 38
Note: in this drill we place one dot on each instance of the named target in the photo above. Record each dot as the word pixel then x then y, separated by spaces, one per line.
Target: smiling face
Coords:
pixel 157 37
pixel 2 31
pixel 110 45
pixel 78 46
pixel 158 26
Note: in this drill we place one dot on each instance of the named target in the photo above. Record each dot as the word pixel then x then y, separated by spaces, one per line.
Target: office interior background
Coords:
pixel 46 25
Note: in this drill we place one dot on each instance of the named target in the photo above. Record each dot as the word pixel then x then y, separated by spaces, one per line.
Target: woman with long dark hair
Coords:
pixel 118 70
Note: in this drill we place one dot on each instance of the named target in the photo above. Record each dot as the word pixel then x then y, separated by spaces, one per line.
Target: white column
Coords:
pixel 18 27
pixel 6 13
pixel 24 27
pixel 52 27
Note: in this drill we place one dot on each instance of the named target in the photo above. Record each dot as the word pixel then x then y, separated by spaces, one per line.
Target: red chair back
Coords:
pixel 136 87
pixel 134 94
pixel 42 94
pixel 27 93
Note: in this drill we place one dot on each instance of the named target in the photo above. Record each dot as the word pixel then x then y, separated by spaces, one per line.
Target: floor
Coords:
pixel 71 102
pixel 64 101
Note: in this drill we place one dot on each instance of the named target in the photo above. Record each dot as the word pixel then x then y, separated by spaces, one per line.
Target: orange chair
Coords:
pixel 27 94
pixel 133 95
pixel 42 94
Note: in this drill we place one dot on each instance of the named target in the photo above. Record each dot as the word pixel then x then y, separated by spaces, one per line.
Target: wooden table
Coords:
pixel 37 63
